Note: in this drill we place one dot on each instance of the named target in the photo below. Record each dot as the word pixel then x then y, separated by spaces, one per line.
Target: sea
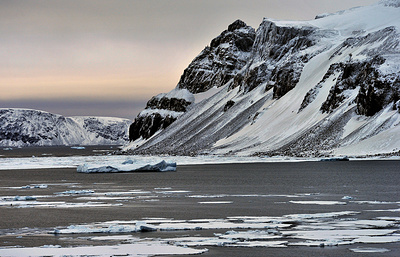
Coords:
pixel 209 206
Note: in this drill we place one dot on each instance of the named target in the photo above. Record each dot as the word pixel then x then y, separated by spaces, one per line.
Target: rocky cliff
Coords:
pixel 328 86
pixel 217 64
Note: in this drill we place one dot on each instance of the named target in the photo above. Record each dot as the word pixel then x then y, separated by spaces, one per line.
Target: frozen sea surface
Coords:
pixel 242 209
pixel 46 162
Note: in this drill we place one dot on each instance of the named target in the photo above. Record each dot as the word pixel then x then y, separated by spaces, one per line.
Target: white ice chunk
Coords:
pixel 24 198
pixel 199 241
pixel 252 235
pixel 321 215
pixel 369 250
pixel 78 147
pixel 149 248
pixel 339 234
pixel 76 192
pixel 127 166
pixel 377 239
pixel 319 202
pixel 260 244
pixel 216 202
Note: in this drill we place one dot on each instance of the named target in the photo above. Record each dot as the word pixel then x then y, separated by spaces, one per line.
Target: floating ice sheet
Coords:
pixel 46 162
pixel 320 229
pixel 126 166
pixel 148 248
pixel 216 202
pixel 318 202
pixel 369 250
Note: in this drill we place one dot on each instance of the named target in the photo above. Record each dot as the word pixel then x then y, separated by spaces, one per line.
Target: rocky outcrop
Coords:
pixel 213 67
pixel 221 61
pixel 160 112
pixel 165 103
pixel 274 60
pixel 147 125
pixel 375 89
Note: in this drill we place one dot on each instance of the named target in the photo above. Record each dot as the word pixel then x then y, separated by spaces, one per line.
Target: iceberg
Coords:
pixel 127 166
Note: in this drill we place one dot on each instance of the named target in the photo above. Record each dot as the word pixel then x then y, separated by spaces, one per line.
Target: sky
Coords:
pixel 109 57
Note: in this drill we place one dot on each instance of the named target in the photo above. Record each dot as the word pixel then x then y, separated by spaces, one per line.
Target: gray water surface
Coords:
pixel 370 188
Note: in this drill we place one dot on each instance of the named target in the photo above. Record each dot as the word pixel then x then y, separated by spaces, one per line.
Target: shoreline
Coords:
pixel 67 157
pixel 115 150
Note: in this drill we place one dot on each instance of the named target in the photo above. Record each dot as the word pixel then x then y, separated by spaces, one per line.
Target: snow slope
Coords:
pixel 330 86
pixel 24 127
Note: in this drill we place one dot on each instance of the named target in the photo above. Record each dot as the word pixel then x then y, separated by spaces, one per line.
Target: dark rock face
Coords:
pixel 221 61
pixel 165 103
pixel 228 105
pixel 270 63
pixel 146 126
pixel 275 42
pixel 376 91
pixel 285 79
pixel 374 98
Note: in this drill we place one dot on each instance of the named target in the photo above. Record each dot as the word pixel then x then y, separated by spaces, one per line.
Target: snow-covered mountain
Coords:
pixel 329 86
pixel 24 127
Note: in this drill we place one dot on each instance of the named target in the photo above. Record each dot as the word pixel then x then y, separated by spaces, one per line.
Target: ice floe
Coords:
pixel 216 202
pixel 40 186
pixel 45 162
pixel 126 166
pixel 76 192
pixel 251 235
pixel 199 241
pixel 320 229
pixel 378 239
pixel 347 197
pixel 78 147
pixel 321 215
pixel 24 198
pixel 145 248
pixel 61 204
pixel 318 202
pixel 369 250
pixel 372 202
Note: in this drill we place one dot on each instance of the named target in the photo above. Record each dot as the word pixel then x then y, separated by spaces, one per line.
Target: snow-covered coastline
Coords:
pixel 26 127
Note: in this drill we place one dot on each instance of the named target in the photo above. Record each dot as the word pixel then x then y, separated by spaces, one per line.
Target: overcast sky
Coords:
pixel 107 58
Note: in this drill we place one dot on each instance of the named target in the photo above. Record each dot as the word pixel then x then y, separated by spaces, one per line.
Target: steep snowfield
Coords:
pixel 24 127
pixel 330 86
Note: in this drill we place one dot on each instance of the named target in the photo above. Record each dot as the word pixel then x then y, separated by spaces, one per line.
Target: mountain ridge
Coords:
pixel 28 127
pixel 329 86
